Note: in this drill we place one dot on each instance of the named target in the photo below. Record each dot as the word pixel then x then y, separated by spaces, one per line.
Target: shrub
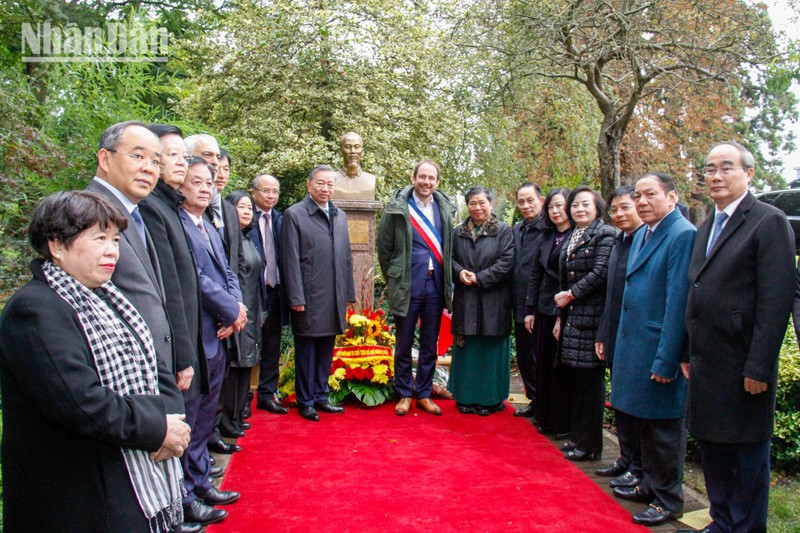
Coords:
pixel 786 442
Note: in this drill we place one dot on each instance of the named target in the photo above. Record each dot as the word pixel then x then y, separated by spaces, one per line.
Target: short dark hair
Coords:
pixel 476 190
pixel 197 160
pixel 62 216
pixel 163 130
pixel 563 191
pixel 427 162
pixel 317 169
pixel 223 153
pixel 625 190
pixel 666 182
pixel 599 203
pixel 530 184
pixel 109 140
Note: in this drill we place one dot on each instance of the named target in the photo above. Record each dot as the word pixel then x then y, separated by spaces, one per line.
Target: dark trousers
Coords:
pixel 200 413
pixel 737 480
pixel 426 309
pixel 269 367
pixel 588 403
pixel 630 451
pixel 526 360
pixel 663 444
pixel 233 398
pixel 312 360
pixel 552 404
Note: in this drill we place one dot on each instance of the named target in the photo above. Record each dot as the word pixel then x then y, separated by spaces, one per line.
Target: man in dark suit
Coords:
pixel 627 470
pixel 647 382
pixel 317 269
pixel 526 244
pixel 178 272
pixel 741 282
pixel 414 245
pixel 223 315
pixel 127 170
pixel 265 234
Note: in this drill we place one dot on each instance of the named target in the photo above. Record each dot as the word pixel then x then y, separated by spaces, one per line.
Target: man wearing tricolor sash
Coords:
pixel 414 247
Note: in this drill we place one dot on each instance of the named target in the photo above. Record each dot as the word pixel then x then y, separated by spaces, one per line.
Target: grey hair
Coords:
pixel 258 178
pixel 478 189
pixel 109 140
pixel 191 140
pixel 319 168
pixel 748 161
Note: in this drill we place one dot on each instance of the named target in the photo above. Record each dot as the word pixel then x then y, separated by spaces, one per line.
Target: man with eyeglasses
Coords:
pixel 741 281
pixel 127 171
pixel 265 234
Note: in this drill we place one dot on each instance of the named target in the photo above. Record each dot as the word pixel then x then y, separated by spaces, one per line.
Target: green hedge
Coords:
pixel 786 443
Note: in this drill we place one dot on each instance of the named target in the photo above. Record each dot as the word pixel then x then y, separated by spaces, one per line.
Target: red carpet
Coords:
pixel 370 470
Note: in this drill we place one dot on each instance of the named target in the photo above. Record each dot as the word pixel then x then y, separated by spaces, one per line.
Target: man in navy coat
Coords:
pixel 647 382
pixel 741 282
pixel 223 315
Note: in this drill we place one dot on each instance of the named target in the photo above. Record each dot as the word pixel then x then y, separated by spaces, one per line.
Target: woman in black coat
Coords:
pixel 551 402
pixel 483 261
pixel 88 444
pixel 583 273
pixel 245 351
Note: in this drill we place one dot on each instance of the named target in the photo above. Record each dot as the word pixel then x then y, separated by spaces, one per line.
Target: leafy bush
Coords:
pixel 786 442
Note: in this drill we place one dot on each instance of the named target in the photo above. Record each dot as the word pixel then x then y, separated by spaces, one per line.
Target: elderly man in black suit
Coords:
pixel 317 269
pixel 740 295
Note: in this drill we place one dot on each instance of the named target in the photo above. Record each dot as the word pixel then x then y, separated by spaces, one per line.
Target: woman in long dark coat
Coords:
pixel 88 444
pixel 583 272
pixel 246 351
pixel 551 401
pixel 483 260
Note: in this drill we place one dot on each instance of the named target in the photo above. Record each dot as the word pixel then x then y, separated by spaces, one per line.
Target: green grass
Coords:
pixel 784 505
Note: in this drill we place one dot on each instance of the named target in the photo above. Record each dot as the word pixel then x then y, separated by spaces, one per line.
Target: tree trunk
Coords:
pixel 609 142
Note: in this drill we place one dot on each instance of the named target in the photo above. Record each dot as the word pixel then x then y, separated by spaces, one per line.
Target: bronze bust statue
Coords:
pixel 352 183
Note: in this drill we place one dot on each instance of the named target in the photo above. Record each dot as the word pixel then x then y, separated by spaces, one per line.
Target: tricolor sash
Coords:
pixel 426 230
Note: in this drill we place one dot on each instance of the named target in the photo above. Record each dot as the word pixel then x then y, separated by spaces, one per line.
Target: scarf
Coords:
pixel 575 239
pixel 123 352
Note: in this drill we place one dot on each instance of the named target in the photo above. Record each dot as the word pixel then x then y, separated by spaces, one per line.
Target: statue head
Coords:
pixel 351 146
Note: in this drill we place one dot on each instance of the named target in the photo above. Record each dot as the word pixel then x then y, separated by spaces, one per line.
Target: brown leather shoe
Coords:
pixel 403 406
pixel 427 405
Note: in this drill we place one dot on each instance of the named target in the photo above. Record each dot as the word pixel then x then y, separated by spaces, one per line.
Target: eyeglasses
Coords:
pixel 711 171
pixel 269 191
pixel 137 157
pixel 173 156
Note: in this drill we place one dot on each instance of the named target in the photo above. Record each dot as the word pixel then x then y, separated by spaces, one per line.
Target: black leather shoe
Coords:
pixel 326 407
pixel 220 446
pixel 246 425
pixel 214 496
pixel 562 436
pixel 527 411
pixel 624 480
pixel 612 470
pixel 653 516
pixel 272 406
pixel 308 412
pixel 247 412
pixel 200 513
pixel 216 471
pixel 632 494
pixel 232 434
pixel 486 410
pixel 212 460
pixel 580 455
pixel 568 446
pixel 465 409
pixel 191 528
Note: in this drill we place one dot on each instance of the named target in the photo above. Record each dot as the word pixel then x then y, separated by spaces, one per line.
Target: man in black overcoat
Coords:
pixel 741 281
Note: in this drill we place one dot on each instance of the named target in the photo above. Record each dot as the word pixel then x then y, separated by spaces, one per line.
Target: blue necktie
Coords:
pixel 137 219
pixel 718 222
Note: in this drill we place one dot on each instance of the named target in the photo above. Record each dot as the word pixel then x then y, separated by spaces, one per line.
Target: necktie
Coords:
pixel 137 219
pixel 271 269
pixel 648 234
pixel 718 222
pixel 202 229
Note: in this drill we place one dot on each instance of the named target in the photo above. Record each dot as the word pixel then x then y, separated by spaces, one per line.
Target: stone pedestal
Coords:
pixel 361 226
